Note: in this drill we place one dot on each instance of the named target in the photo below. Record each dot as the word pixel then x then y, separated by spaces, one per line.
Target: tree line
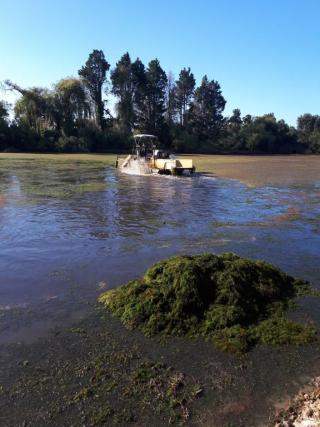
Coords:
pixel 74 115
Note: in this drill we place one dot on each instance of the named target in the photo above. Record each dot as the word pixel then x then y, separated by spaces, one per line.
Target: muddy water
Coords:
pixel 69 229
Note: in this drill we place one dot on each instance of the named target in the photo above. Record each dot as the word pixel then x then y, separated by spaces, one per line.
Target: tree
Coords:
pixel 184 91
pixel 69 104
pixel 139 81
pixel 93 74
pixel 4 127
pixel 171 105
pixel 205 115
pixel 41 109
pixel 35 122
pixel 33 109
pixel 307 123
pixel 232 140
pixel 266 134
pixel 123 86
pixel 309 132
pixel 247 120
pixel 235 121
pixel 151 103
pixel 4 114
pixel 148 100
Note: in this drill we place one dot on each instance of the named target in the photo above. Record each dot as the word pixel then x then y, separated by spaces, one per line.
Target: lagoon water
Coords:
pixel 69 229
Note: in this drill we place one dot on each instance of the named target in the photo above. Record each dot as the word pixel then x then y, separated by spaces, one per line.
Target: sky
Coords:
pixel 264 53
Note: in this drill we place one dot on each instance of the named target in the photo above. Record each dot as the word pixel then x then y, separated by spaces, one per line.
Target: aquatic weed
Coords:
pixel 233 301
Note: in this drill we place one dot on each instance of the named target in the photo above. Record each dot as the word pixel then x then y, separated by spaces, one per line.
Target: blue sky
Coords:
pixel 265 54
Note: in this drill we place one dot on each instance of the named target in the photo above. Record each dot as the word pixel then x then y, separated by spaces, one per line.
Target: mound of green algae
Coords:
pixel 233 301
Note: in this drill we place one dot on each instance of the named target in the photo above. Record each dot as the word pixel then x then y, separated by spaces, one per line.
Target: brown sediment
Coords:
pixel 291 214
pixel 3 201
pixel 258 171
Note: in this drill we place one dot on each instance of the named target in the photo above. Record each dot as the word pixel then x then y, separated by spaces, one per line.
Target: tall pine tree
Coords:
pixel 184 91
pixel 151 106
pixel 93 74
pixel 123 87
pixel 205 116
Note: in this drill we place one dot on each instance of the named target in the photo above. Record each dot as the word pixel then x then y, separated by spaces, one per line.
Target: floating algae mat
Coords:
pixel 233 301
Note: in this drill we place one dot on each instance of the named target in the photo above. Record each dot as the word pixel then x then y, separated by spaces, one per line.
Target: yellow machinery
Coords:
pixel 148 159
pixel 172 165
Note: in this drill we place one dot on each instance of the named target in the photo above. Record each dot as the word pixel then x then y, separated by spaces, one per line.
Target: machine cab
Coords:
pixel 145 146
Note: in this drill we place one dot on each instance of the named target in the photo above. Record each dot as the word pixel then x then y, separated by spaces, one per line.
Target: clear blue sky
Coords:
pixel 264 53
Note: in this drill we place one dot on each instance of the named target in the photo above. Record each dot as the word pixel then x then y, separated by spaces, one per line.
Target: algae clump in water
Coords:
pixel 234 301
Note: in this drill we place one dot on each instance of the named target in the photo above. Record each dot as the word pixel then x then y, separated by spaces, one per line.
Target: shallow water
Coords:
pixel 69 229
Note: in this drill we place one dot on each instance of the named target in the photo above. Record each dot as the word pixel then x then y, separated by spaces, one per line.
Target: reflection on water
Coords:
pixel 66 226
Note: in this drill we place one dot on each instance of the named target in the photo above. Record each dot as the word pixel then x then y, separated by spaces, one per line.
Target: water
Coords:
pixel 138 166
pixel 71 229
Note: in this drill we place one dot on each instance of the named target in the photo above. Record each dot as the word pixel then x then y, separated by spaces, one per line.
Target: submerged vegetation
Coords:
pixel 88 376
pixel 233 301
pixel 55 177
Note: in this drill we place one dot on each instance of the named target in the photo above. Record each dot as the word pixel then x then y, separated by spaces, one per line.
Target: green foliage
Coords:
pixel 234 301
pixel 185 142
pixel 34 110
pixel 234 339
pixel 72 144
pixel 150 114
pixel 170 101
pixel 280 330
pixel 93 74
pixel 124 88
pixel 3 112
pixel 184 91
pixel 205 114
pixel 72 116
pixel 309 132
pixel 71 104
pixel 4 127
pixel 262 134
